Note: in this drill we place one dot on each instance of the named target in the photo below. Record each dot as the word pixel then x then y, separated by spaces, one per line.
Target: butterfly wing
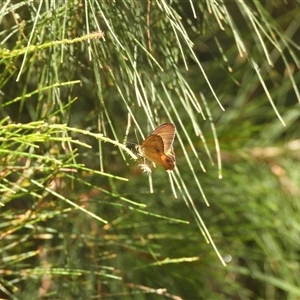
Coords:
pixel 158 146
pixel 152 148
pixel 167 132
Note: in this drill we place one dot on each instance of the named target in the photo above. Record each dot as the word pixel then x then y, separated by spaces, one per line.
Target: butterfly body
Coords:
pixel 158 146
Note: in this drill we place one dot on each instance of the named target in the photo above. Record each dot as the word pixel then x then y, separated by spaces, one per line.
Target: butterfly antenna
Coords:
pixel 131 143
pixel 136 136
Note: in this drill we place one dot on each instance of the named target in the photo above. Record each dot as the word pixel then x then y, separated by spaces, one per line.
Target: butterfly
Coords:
pixel 158 146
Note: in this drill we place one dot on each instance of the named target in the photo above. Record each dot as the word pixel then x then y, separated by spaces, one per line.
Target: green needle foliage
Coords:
pixel 82 83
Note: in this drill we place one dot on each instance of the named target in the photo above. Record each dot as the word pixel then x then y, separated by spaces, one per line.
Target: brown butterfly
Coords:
pixel 158 146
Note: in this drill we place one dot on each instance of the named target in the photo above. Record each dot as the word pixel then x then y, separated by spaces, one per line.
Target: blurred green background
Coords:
pixel 82 82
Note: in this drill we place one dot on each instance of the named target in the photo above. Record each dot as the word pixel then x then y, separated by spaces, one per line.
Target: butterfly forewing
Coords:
pixel 152 148
pixel 152 143
pixel 167 132
pixel 157 147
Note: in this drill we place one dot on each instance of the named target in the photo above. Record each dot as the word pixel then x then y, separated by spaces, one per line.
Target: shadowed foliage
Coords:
pixel 82 83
